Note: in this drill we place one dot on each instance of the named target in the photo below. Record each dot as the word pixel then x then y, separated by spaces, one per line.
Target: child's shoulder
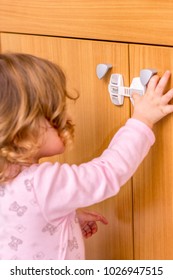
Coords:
pixel 38 167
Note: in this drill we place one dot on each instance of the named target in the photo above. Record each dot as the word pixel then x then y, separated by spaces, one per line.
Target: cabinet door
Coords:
pixel 153 182
pixel 96 120
pixel 105 20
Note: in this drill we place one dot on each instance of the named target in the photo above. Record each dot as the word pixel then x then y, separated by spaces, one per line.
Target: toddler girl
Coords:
pixel 38 202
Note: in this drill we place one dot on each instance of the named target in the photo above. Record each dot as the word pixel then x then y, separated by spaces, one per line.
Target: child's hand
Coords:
pixel 153 105
pixel 88 222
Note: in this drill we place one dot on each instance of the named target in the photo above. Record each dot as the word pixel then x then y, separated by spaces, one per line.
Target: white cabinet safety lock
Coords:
pixel 117 90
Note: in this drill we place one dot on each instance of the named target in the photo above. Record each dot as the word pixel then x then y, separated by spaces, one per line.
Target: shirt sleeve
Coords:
pixel 62 188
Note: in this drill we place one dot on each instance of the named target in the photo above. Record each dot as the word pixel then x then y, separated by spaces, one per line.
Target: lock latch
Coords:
pixel 118 91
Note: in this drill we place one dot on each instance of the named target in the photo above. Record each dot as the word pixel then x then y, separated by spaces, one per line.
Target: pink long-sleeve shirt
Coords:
pixel 37 208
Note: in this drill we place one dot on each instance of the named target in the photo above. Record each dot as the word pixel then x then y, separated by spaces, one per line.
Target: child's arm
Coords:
pixel 61 188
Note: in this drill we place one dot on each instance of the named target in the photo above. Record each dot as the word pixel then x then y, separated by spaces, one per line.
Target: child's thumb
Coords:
pixel 135 96
pixel 96 217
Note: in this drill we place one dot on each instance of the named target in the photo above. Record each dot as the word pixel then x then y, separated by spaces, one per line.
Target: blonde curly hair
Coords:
pixel 30 88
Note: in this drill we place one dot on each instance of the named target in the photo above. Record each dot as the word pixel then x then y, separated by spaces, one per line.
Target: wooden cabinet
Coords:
pixel 140 216
pixel 153 182
pixel 144 21
pixel 96 120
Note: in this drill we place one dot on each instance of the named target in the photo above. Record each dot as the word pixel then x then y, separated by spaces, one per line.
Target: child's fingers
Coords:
pixel 166 98
pixel 93 227
pixel 162 83
pixel 100 218
pixel 89 229
pixel 103 220
pixel 94 216
pixel 168 109
pixel 153 83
